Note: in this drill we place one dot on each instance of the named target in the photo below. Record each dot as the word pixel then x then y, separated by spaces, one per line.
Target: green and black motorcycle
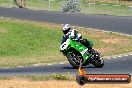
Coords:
pixel 77 53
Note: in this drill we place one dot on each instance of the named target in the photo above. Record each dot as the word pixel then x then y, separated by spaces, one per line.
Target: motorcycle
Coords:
pixel 77 53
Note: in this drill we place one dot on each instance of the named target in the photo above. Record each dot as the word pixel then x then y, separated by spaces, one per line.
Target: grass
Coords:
pixel 109 9
pixel 23 83
pixel 64 76
pixel 37 4
pixel 52 81
pixel 26 43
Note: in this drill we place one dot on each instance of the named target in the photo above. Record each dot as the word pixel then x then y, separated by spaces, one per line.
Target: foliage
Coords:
pixel 18 3
pixel 71 6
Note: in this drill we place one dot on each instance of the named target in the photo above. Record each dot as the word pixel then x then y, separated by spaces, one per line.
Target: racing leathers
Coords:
pixel 76 36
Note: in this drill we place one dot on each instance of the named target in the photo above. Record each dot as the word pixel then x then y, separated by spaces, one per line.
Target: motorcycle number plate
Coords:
pixel 64 45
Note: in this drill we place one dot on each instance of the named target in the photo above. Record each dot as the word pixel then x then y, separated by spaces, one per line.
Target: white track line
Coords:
pixel 105 31
pixel 49 64
pixel 7 67
pixel 130 54
pixel 114 57
pixel 125 55
pixel 20 66
pixel 61 63
pixel 119 56
pixel 36 65
pixel 108 58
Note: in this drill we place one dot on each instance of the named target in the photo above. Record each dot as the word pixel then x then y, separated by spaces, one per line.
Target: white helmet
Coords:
pixel 66 28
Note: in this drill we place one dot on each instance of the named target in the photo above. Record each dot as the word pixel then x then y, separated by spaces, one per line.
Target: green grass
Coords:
pixel 37 4
pixel 20 39
pixel 109 9
pixel 27 43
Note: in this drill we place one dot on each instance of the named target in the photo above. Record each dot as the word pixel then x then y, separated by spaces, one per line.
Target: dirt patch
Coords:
pixel 2 30
pixel 93 33
pixel 104 50
pixel 97 34
pixel 88 31
pixel 114 40
pixel 55 84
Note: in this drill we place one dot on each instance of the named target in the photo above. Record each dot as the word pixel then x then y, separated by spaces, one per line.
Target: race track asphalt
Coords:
pixel 118 65
pixel 102 22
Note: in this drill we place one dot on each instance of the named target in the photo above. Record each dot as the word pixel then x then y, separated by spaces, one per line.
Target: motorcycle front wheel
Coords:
pixel 74 60
pixel 99 62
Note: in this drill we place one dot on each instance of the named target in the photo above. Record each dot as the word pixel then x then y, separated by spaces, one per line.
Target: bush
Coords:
pixel 71 6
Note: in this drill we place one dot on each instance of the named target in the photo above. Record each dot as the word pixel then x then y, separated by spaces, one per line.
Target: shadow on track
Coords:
pixel 74 68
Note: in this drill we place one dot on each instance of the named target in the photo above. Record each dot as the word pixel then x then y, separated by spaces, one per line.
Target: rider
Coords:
pixel 69 32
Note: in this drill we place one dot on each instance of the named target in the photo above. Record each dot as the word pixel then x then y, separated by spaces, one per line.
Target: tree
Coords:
pixel 72 6
pixel 20 3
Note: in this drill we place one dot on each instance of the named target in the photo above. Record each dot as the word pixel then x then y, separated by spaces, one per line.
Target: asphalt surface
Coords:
pixel 107 23
pixel 117 65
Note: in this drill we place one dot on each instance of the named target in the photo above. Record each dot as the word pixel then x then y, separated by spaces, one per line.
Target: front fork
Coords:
pixel 81 62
